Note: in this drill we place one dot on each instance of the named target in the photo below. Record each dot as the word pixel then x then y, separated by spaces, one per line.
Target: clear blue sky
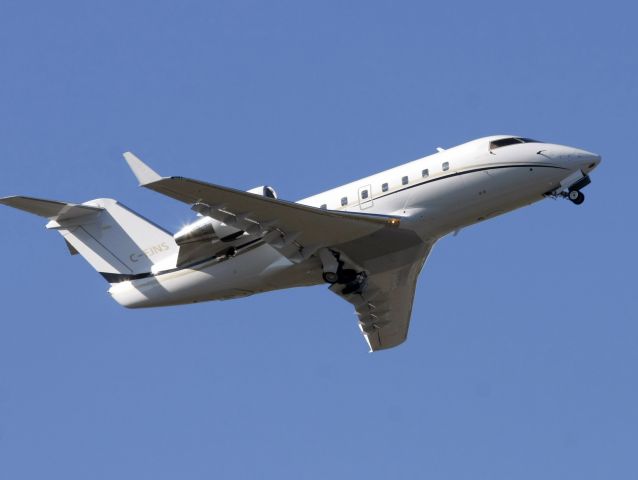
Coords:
pixel 522 355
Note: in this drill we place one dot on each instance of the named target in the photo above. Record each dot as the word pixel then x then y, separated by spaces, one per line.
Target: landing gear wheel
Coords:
pixel 355 285
pixel 330 277
pixel 347 275
pixel 576 197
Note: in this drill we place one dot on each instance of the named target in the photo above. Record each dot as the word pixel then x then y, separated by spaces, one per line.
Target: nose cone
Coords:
pixel 571 157
pixel 586 160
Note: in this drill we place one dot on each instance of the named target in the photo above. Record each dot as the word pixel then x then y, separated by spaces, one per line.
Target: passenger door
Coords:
pixel 365 197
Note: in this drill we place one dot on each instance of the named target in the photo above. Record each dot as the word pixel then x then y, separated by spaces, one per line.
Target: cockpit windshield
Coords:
pixel 504 142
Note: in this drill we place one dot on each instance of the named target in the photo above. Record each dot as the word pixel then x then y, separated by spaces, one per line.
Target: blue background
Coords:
pixel 521 360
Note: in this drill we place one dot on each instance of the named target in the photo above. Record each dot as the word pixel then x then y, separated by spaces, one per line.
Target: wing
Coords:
pixel 390 258
pixel 282 224
pixel 384 304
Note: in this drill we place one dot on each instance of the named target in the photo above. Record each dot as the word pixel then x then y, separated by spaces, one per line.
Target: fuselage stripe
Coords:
pixel 464 172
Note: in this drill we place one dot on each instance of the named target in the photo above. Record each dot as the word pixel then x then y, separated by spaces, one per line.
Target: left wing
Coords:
pixel 282 224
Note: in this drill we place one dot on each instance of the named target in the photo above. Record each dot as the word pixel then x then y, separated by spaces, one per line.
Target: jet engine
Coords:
pixel 264 191
pixel 215 225
pixel 200 231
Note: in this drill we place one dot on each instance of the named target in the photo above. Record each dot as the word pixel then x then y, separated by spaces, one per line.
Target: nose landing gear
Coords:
pixel 576 197
pixel 571 189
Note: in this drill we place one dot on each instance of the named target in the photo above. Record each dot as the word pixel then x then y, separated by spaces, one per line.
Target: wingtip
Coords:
pixel 142 172
pixel 11 200
pixel 6 200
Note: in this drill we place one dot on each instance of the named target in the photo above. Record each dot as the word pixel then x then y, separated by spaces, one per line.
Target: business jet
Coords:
pixel 367 240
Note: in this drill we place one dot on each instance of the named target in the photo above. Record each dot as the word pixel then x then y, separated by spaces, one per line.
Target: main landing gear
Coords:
pixel 335 273
pixel 330 277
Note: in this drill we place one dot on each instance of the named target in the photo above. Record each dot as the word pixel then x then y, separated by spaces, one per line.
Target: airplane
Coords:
pixel 367 240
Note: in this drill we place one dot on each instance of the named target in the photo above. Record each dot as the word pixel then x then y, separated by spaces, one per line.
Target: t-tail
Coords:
pixel 117 242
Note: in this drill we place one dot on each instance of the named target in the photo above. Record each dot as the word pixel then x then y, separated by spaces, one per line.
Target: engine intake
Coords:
pixel 264 191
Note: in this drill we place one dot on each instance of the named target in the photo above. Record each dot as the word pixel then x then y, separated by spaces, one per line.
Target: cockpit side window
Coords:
pixel 504 142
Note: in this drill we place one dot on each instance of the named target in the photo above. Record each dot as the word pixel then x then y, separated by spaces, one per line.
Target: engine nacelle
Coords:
pixel 209 229
pixel 206 229
pixel 211 226
pixel 199 231
pixel 264 191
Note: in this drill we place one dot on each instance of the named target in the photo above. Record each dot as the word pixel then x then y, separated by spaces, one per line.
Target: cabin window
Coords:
pixel 404 180
pixel 446 166
pixel 384 187
pixel 425 173
pixel 344 201
pixel 364 194
pixel 324 207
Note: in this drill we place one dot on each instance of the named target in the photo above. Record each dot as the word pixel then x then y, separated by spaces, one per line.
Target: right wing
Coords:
pixel 384 305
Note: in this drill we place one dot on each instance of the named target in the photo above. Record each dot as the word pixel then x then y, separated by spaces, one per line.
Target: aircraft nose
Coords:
pixel 571 157
pixel 587 160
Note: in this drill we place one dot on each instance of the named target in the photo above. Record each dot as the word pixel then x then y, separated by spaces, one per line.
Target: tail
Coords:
pixel 118 243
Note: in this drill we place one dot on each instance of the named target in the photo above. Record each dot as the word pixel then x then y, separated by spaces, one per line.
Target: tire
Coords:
pixel 576 197
pixel 330 277
pixel 347 275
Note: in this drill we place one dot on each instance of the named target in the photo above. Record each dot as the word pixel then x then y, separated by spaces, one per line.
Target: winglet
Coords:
pixel 142 172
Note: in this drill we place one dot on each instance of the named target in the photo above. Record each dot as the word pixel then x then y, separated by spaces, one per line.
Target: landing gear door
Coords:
pixel 365 197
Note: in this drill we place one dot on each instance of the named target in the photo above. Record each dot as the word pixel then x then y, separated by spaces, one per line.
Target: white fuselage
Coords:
pixel 434 195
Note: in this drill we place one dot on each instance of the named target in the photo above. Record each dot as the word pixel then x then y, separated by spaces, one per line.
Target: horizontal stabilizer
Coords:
pixel 51 209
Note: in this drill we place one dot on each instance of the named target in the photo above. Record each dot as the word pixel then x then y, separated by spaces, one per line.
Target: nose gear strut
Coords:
pixel 573 192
